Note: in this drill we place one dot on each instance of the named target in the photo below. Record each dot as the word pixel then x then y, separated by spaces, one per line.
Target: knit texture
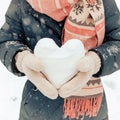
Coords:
pixel 85 21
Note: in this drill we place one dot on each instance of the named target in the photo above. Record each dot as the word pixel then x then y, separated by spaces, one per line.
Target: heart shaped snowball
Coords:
pixel 60 63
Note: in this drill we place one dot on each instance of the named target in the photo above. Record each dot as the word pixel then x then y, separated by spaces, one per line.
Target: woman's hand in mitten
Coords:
pixel 88 65
pixel 31 66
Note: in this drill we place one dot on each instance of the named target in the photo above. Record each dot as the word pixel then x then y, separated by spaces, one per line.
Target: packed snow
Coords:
pixel 11 86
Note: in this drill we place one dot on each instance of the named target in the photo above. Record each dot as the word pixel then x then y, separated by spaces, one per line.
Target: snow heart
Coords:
pixel 60 63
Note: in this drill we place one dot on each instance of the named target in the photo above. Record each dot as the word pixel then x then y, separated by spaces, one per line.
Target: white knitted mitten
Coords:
pixel 31 66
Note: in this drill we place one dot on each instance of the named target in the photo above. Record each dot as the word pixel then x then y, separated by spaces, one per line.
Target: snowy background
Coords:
pixel 11 86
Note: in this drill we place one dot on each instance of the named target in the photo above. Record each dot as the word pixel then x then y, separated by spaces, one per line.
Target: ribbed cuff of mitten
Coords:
pixel 96 60
pixel 19 58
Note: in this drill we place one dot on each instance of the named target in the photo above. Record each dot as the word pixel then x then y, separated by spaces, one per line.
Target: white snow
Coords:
pixel 10 94
pixel 11 86
pixel 60 57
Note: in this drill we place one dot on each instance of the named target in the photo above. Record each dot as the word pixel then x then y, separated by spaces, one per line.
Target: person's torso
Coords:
pixel 37 26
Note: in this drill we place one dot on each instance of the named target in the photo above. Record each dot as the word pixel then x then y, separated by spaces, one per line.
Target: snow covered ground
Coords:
pixel 11 86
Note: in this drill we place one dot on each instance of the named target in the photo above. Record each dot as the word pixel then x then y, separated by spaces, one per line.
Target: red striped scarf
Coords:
pixel 84 21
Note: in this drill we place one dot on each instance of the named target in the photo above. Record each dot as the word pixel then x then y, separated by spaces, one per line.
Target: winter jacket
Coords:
pixel 35 106
pixel 24 27
pixel 21 31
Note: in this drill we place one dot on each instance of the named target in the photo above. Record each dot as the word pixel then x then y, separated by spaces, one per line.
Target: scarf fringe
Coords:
pixel 76 107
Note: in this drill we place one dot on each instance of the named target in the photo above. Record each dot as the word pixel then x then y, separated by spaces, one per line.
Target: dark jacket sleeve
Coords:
pixel 109 51
pixel 12 37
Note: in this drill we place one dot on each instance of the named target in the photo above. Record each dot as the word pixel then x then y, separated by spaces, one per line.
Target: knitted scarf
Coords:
pixel 84 21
